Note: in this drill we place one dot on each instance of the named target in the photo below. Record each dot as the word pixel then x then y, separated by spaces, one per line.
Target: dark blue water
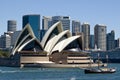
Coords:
pixel 11 73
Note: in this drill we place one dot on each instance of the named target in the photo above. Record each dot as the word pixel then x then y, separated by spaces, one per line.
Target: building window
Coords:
pixel 102 30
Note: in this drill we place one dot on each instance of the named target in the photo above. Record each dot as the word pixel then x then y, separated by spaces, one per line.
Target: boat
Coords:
pixel 100 70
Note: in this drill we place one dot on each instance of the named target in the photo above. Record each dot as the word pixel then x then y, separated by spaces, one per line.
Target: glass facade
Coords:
pixel 34 21
pixel 118 42
pixel 46 22
pixel 32 46
pixel 5 41
pixel 75 27
pixel 64 19
pixel 86 33
pixel 92 43
pixel 42 33
pixel 75 44
pixel 22 36
pixel 11 25
pixel 54 32
pixel 14 37
pixel 100 36
pixel 111 40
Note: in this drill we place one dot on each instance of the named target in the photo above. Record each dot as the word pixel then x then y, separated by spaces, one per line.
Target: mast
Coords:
pixel 107 59
pixel 98 61
pixel 90 62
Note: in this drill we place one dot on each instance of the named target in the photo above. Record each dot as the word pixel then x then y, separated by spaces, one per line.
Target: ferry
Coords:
pixel 100 70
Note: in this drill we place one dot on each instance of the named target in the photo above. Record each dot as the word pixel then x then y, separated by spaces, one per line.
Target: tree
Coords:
pixel 4 54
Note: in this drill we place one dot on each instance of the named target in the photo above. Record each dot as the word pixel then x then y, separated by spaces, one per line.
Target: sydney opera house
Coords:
pixel 58 48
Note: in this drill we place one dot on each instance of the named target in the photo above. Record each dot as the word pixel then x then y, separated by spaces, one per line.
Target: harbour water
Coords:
pixel 15 73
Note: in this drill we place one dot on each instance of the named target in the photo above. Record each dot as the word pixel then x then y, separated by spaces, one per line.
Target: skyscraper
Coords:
pixel 118 43
pixel 111 40
pixel 34 21
pixel 86 33
pixel 42 33
pixel 14 37
pixel 46 22
pixel 100 36
pixel 11 25
pixel 5 41
pixel 75 26
pixel 64 19
pixel 92 42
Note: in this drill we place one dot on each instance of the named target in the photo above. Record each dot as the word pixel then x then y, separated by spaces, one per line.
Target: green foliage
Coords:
pixel 4 54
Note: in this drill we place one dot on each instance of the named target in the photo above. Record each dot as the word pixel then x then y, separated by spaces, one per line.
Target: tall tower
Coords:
pixel 92 42
pixel 11 25
pixel 86 33
pixel 118 43
pixel 111 40
pixel 64 19
pixel 5 41
pixel 100 36
pixel 34 21
pixel 46 22
pixel 75 26
pixel 14 37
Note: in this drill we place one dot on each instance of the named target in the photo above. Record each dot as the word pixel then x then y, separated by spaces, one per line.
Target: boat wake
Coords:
pixel 17 71
pixel 1 71
pixel 73 78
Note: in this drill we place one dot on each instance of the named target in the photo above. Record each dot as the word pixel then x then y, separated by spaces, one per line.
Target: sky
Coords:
pixel 94 12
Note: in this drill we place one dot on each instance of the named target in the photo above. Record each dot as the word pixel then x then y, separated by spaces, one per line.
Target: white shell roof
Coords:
pixel 55 40
pixel 61 45
pixel 58 25
pixel 19 45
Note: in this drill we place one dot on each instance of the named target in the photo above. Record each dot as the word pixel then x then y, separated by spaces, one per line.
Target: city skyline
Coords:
pixel 94 12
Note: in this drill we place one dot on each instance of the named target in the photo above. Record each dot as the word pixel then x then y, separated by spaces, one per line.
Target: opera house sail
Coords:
pixel 58 48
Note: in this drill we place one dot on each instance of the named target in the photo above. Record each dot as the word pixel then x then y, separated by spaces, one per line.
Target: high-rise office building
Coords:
pixel 34 21
pixel 75 26
pixel 46 22
pixel 100 36
pixel 42 33
pixel 92 42
pixel 64 19
pixel 14 36
pixel 118 43
pixel 86 33
pixel 11 25
pixel 5 41
pixel 111 40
